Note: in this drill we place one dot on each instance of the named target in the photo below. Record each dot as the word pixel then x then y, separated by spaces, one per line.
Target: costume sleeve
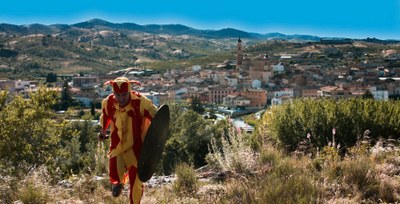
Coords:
pixel 104 117
pixel 149 110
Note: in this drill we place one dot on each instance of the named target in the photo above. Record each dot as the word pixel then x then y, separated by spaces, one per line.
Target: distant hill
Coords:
pixel 171 29
pixel 99 46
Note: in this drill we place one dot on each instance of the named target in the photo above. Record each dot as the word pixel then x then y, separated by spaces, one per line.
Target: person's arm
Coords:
pixel 104 120
pixel 149 109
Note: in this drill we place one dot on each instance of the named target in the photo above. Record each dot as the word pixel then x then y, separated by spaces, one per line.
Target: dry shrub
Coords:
pixel 164 194
pixel 30 193
pixel 393 165
pixel 91 189
pixel 388 190
pixel 235 155
pixel 186 183
pixel 35 187
pixel 7 189
pixel 211 193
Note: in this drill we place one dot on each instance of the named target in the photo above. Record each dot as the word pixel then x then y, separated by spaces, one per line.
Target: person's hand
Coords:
pixel 102 135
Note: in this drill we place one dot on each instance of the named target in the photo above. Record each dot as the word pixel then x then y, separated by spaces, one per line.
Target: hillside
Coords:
pixel 169 29
pixel 97 46
pixel 311 151
pixel 74 49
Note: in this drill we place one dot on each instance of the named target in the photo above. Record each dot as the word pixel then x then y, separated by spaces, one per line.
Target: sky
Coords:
pixel 323 18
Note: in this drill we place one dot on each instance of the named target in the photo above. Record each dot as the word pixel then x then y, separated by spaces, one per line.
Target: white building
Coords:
pixel 156 98
pixel 276 101
pixel 284 92
pixel 279 68
pixel 193 79
pixel 241 125
pixel 233 101
pixel 231 80
pixel 381 95
pixel 180 93
pixel 196 68
pixel 22 85
pixel 103 92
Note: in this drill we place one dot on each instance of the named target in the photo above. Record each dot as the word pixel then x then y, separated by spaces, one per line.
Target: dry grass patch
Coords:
pixel 239 191
pixel 389 189
pixel 360 173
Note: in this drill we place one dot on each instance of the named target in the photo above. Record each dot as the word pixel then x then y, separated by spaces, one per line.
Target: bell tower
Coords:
pixel 239 54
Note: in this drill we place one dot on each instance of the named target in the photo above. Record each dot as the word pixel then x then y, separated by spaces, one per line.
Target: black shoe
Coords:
pixel 117 189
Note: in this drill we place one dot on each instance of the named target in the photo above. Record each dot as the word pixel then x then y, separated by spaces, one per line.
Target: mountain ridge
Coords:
pixel 171 29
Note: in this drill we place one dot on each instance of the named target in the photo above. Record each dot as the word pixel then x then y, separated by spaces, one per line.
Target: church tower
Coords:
pixel 239 54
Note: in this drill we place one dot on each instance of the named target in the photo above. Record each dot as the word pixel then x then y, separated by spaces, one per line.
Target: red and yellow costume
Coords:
pixel 128 125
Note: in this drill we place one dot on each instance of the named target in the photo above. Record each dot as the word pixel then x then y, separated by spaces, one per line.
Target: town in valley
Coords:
pixel 255 76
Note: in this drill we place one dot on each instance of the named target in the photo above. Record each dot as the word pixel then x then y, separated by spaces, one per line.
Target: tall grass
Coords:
pixel 271 174
pixel 239 191
pixel 290 182
pixel 360 176
pixel 360 173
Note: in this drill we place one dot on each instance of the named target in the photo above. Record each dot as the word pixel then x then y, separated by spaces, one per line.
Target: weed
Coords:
pixel 331 162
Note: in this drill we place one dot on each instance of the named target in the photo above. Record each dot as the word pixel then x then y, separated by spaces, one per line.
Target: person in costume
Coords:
pixel 128 114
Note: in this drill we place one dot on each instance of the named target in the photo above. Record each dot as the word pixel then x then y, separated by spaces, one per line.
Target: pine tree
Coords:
pixel 196 106
pixel 66 98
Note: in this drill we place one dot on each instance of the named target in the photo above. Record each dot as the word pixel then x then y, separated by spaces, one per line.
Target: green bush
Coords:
pixel 330 162
pixel 32 134
pixel 189 138
pixel 288 124
pixel 174 153
pixel 29 131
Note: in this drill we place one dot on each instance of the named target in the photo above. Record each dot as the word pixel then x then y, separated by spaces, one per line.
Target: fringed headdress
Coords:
pixel 122 84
